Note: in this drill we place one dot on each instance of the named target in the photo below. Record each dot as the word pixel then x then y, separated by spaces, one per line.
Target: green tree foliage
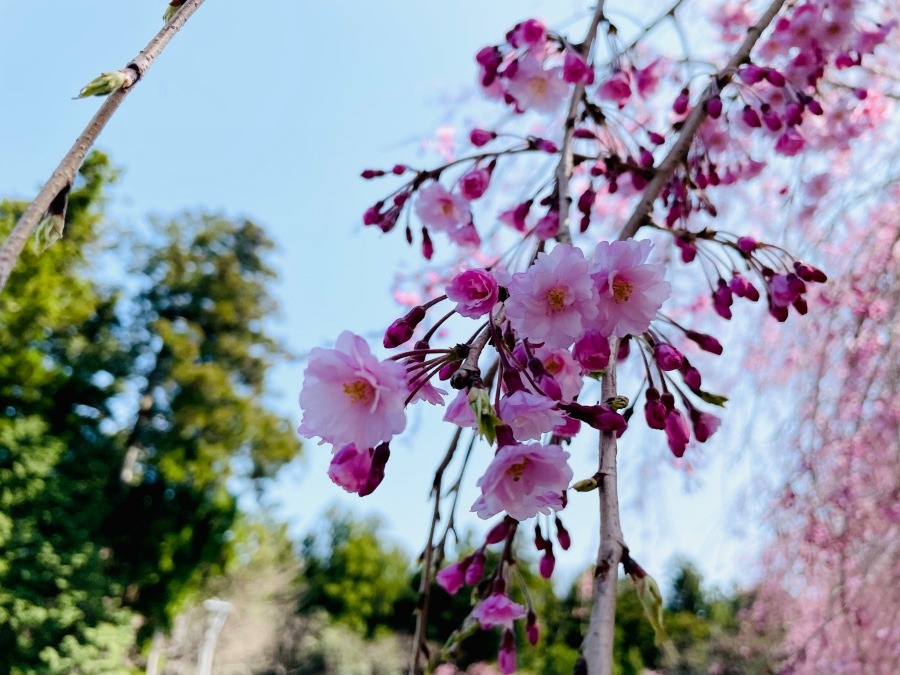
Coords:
pixel 161 386
pixel 355 577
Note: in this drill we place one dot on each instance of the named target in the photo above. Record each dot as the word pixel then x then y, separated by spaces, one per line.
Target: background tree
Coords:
pixel 81 549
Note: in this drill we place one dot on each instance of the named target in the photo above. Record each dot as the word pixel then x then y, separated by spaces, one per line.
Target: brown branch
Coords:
pixel 566 165
pixel 68 167
pixel 597 648
pixel 679 151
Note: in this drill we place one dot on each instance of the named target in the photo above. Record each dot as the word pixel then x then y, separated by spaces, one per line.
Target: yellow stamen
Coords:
pixel 360 391
pixel 556 298
pixel 516 470
pixel 621 290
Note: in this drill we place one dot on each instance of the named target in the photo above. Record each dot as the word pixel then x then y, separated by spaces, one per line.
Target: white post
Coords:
pixel 218 612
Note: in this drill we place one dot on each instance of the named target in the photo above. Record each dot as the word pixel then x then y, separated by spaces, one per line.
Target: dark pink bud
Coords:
pixel 591 351
pixel 775 78
pixel 706 342
pixel 750 74
pixel 714 107
pixel 548 563
pixel 402 329
pixel 815 108
pixel 705 425
pixel 654 410
pixel 539 542
pixel 645 158
pixel 747 245
pixel 655 138
pixel 475 183
pixel 624 350
pixel 368 174
pixel 446 372
pixel 427 245
pixel 475 570
pixel 680 105
pixel 373 216
pixel 600 417
pixel 688 249
pixel 771 118
pixel 497 533
pixel 531 32
pixel 550 387
pixel 722 300
pixel 780 313
pixel 844 60
pixel 667 357
pixel 750 117
pixel 743 288
pixel 691 377
pixel 586 201
pixel 480 137
pixel 452 576
pixel 576 70
pixel 544 145
pixel 488 56
pixel 810 273
pixel 562 535
pixel 677 432
pixel 398 169
pixel 506 658
pixel 581 132
pixel 793 114
pixel 380 457
pixel 532 628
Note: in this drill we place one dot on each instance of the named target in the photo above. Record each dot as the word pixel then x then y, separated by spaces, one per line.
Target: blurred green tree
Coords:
pixel 125 418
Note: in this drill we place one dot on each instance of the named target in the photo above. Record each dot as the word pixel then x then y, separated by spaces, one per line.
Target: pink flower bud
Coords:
pixel 747 245
pixel 530 32
pixel 691 376
pixel 451 577
pixel 790 143
pixel 480 137
pixel 654 410
pixel 750 117
pixel 562 535
pixel 688 249
pixel 547 563
pixel 402 329
pixel 497 533
pixel 705 425
pixel 380 456
pixel 667 357
pixel 576 69
pixel 475 183
pixel 373 216
pixel 680 105
pixel 722 300
pixel 714 107
pixel 677 432
pixel 539 542
pixel 427 245
pixel 532 628
pixel 775 78
pixel 591 351
pixel 368 174
pixel 750 74
pixel 475 570
pixel 544 145
pixel 706 342
pixel 506 658
pixel 809 273
pixel 600 417
pixel 771 118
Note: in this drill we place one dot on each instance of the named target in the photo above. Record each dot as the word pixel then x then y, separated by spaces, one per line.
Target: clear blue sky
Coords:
pixel 270 110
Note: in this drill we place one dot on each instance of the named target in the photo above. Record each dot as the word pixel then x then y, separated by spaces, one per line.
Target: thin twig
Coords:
pixel 68 167
pixel 679 151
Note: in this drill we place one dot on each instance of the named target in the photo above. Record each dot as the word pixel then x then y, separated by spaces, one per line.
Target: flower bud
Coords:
pixel 475 570
pixel 562 535
pixel 497 533
pixel 403 328
pixel 677 432
pixel 706 342
pixel 667 357
pixel 506 658
pixel 591 351
pixel 532 628
pixel 481 137
pixel 547 563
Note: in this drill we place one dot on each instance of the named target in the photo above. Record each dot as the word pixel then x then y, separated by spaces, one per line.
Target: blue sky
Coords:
pixel 270 110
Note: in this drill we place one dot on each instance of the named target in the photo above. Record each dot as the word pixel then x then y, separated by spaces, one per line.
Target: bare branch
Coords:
pixel 68 167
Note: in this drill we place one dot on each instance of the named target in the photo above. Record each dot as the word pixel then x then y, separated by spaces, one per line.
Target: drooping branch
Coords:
pixel 565 166
pixel 680 149
pixel 64 174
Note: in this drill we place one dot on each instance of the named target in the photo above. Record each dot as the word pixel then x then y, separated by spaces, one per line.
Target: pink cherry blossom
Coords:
pixel 616 89
pixel 442 210
pixel 498 610
pixel 537 89
pixel 630 290
pixel 524 480
pixel 475 183
pixel 474 292
pixel 591 351
pixel 560 364
pixel 349 396
pixel 451 577
pixel 551 300
pixel 529 415
pixel 459 412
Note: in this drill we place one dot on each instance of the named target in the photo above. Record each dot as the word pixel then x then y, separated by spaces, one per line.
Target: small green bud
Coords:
pixel 617 402
pixel 172 9
pixel 485 415
pixel 105 84
pixel 586 485
pixel 713 399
